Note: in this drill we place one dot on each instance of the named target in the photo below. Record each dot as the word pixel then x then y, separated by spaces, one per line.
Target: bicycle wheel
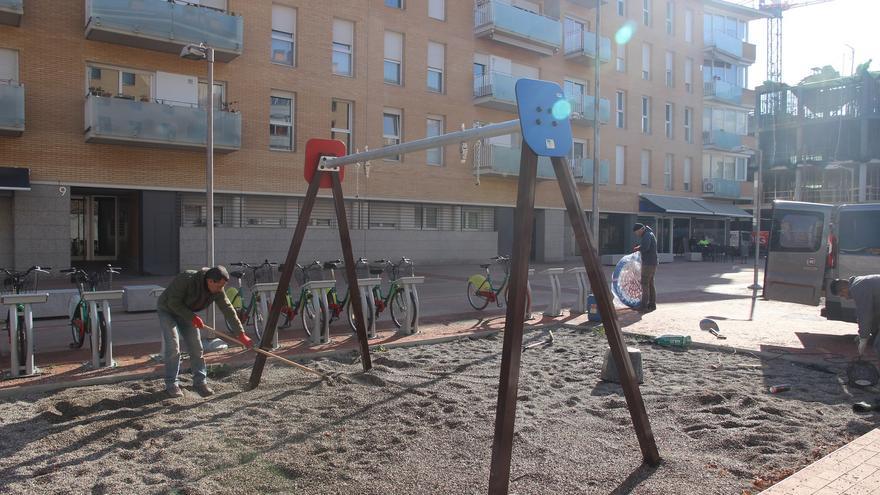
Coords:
pixel 528 313
pixel 102 335
pixel 477 300
pixel 371 315
pixel 78 327
pixel 259 323
pixel 22 341
pixel 399 304
pixel 312 306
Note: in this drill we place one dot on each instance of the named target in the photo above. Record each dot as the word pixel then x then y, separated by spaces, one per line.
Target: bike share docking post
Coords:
pixel 368 302
pixel 103 298
pixel 161 356
pixel 580 306
pixel 410 323
pixel 27 368
pixel 555 308
pixel 321 319
pixel 264 291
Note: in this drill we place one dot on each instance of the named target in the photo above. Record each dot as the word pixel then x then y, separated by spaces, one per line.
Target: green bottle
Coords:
pixel 673 340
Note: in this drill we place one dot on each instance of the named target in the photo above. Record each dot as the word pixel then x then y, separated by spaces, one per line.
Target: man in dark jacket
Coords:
pixel 865 291
pixel 648 247
pixel 189 292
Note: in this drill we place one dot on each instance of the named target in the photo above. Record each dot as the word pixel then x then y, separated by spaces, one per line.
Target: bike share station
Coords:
pixel 546 129
pixel 93 300
pixel 20 304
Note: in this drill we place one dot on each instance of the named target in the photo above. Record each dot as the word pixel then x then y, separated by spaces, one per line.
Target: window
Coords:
pixel 343 41
pixel 797 232
pixel 281 106
pixel 689 75
pixel 128 79
pixel 283 35
pixel 670 111
pixel 393 57
pixel 646 61
pixel 621 57
pixel 670 64
pixel 341 122
pixel 646 12
pixel 437 9
pixel 740 169
pixel 391 129
pixel 688 118
pixel 482 83
pixel 429 217
pixel 646 168
pixel 436 64
pixel 103 81
pixel 646 114
pixel 687 174
pixel 434 156
pixel 670 16
pixel 219 96
pixel 620 110
pixel 667 172
pixel 621 8
pixel 470 219
pixel 574 92
pixel 619 164
pixel 394 4
pixel 689 25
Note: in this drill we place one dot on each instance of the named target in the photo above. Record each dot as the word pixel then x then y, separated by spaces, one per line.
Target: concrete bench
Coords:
pixel 56 305
pixel 139 298
pixel 665 257
pixel 693 257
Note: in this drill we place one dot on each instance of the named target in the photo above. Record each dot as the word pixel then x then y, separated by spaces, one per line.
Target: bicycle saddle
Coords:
pixel 330 265
pixel 486 265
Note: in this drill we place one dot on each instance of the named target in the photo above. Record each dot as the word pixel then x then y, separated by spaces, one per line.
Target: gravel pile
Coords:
pixel 422 422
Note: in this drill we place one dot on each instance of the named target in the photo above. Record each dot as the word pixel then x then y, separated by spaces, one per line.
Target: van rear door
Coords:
pixel 797 252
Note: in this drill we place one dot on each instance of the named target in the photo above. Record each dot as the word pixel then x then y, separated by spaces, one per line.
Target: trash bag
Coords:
pixel 626 282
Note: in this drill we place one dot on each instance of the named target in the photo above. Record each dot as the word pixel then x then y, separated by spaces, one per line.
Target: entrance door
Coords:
pixel 681 234
pixel 798 248
pixel 93 228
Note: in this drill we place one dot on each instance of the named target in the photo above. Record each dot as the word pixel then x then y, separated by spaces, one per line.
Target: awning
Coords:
pixel 671 204
pixel 723 209
pixel 15 179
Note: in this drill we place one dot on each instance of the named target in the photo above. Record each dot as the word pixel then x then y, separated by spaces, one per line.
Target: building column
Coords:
pixel 863 182
pixel 798 182
pixel 41 232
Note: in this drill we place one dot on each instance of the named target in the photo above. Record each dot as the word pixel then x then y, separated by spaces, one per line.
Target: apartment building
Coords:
pixel 819 139
pixel 103 125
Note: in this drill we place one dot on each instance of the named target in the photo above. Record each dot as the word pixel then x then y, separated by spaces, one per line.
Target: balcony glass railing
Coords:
pixel 179 24
pixel 723 90
pixel 12 107
pixel 504 160
pixel 584 42
pixel 722 139
pixel 497 85
pixel 583 170
pixel 724 42
pixel 123 120
pixel 722 188
pixel 522 23
pixel 13 6
pixel 583 109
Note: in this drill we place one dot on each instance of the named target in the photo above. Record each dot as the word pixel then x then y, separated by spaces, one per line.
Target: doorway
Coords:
pixel 101 228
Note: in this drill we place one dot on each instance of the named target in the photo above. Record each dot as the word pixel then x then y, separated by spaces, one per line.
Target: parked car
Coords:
pixel 812 244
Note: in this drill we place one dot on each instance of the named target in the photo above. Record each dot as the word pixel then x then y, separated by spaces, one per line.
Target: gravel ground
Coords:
pixel 422 422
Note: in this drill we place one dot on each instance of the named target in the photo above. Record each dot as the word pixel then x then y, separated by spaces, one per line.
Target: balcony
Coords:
pixel 517 27
pixel 723 92
pixel 11 12
pixel 139 123
pixel 164 26
pixel 722 140
pixel 503 161
pixel 721 188
pixel 11 109
pixel 722 44
pixel 590 4
pixel 495 90
pixel 583 170
pixel 580 47
pixel 583 112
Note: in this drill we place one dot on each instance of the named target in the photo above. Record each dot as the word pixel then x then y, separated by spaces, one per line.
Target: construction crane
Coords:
pixel 775 8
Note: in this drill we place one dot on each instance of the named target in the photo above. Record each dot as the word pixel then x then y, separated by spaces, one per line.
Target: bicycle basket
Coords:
pixel 315 272
pixel 299 275
pixel 377 268
pixel 405 268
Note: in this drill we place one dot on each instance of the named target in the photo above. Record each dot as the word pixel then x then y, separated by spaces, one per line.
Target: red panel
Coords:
pixel 315 149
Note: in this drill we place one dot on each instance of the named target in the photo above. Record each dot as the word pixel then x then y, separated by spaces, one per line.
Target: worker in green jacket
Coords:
pixel 190 292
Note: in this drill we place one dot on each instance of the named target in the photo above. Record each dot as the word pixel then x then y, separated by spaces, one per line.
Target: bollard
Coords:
pixel 103 298
pixel 28 367
pixel 410 323
pixel 580 305
pixel 555 308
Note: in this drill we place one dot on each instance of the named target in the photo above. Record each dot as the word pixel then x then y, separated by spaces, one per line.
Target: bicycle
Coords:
pixel 14 283
pixel 481 290
pixel 80 319
pixel 249 313
pixel 394 298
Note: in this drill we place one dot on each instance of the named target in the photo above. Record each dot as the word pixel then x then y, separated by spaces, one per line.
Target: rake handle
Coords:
pixel 231 340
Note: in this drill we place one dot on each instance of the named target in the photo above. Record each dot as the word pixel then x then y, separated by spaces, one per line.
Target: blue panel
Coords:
pixel 545 133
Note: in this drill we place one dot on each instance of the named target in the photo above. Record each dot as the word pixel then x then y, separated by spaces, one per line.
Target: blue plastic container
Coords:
pixel 593 309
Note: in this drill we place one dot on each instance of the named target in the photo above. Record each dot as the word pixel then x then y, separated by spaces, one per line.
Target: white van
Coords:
pixel 812 244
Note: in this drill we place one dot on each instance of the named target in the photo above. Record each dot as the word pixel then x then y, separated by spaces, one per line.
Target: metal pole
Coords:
pixel 594 217
pixel 209 214
pixel 756 226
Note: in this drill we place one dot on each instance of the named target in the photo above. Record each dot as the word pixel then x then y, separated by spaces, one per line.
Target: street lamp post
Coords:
pixel 594 218
pixel 205 52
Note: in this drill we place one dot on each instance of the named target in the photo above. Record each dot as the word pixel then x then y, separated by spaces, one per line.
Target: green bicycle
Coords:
pixel 395 298
pixel 251 313
pixel 15 283
pixel 481 290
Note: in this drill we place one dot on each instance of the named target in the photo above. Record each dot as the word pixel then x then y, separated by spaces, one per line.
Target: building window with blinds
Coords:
pixel 283 35
pixel 646 168
pixel 646 115
pixel 391 134
pixel 343 47
pixel 670 112
pixel 620 165
pixel 667 172
pixel 341 122
pixel 688 132
pixel 436 65
pixel 281 107
pixel 434 156
pixel 646 61
pixel 437 9
pixel 688 164
pixel 393 68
